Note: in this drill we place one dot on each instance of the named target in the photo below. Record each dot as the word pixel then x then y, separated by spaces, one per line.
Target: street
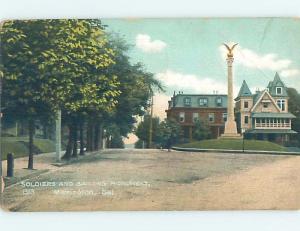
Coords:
pixel 132 179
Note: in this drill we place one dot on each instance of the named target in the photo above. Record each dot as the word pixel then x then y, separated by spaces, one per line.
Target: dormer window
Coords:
pixel 203 102
pixel 187 101
pixel 278 90
pixel 219 102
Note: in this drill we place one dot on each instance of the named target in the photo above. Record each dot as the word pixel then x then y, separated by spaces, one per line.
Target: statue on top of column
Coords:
pixel 230 54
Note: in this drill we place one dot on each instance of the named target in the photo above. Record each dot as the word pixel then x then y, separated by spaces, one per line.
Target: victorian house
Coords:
pixel 187 108
pixel 264 114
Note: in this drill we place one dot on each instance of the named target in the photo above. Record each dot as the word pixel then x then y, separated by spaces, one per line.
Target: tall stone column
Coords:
pixel 230 125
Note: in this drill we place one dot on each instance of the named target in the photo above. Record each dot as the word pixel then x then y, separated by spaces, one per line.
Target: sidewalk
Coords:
pixel 42 163
pixel 235 151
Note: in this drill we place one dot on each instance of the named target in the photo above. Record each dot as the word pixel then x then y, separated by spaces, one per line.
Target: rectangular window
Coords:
pixel 278 90
pixel 246 119
pixel 281 104
pixel 219 102
pixel 246 104
pixel 181 116
pixel 211 117
pixel 265 105
pixel 195 116
pixel 187 101
pixel 224 117
pixel 203 102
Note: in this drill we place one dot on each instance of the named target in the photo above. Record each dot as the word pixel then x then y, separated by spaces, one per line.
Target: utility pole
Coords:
pixel 143 142
pixel 58 136
pixel 150 122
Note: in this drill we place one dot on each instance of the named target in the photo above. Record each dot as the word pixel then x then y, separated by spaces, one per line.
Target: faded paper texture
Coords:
pixel 150 114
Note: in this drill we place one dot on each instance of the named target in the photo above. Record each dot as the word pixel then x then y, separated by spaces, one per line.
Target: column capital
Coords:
pixel 230 61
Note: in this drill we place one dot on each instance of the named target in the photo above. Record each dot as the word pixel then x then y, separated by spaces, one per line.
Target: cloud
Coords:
pixel 192 83
pixel 144 42
pixel 251 59
pixel 290 72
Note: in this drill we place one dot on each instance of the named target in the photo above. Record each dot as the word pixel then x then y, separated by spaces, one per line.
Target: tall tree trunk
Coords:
pixel 69 147
pixel 100 140
pixel 96 137
pixel 75 138
pixel 31 134
pixel 45 133
pixel 81 139
pixel 89 136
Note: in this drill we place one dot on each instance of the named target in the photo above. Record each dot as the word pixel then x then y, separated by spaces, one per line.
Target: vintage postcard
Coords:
pixel 150 114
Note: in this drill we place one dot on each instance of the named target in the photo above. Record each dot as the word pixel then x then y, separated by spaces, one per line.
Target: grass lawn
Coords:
pixel 19 146
pixel 234 144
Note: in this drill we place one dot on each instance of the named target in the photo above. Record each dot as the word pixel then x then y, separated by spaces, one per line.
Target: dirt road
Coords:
pixel 161 180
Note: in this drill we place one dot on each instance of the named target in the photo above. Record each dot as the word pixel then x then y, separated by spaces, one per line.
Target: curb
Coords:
pixel 75 160
pixel 236 151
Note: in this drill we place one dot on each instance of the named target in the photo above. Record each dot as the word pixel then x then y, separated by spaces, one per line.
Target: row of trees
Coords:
pixel 77 67
pixel 168 132
pixel 164 134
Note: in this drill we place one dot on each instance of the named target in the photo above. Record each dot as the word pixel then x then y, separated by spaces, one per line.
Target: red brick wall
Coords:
pixel 216 127
pixel 203 114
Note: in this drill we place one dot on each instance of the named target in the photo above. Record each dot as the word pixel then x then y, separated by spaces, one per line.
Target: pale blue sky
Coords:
pixel 192 48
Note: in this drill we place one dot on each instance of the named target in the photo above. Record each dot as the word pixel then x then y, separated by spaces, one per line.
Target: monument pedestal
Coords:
pixel 231 131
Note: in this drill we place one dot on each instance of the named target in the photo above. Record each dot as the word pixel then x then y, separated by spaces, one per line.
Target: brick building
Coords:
pixel 186 108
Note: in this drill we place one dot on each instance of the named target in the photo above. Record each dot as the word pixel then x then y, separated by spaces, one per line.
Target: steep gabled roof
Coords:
pixel 260 97
pixel 277 82
pixel 244 91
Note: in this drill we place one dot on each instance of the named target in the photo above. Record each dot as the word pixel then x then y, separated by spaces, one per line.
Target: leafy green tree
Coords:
pixel 169 133
pixel 294 107
pixel 22 82
pixel 57 64
pixel 142 130
pixel 139 144
pixel 135 83
pixel 201 130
